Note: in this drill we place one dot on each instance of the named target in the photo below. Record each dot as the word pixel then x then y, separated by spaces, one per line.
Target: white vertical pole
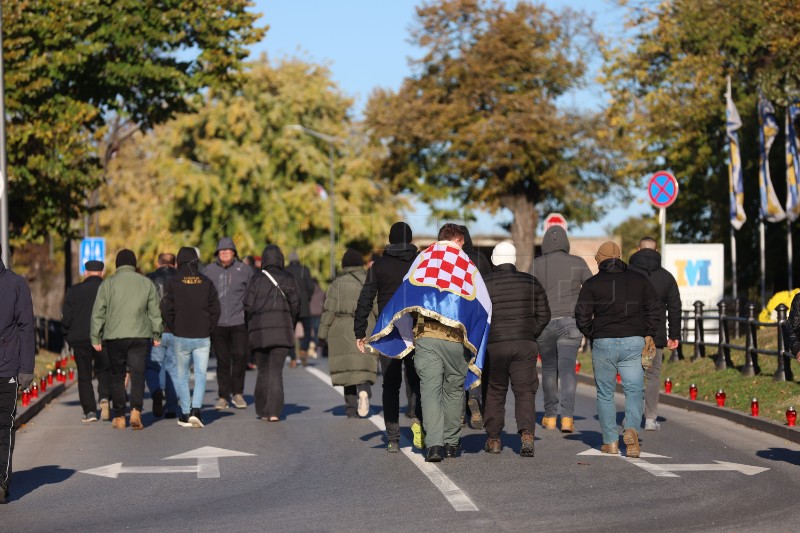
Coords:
pixel 789 250
pixel 734 285
pixel 662 218
pixel 3 174
pixel 763 263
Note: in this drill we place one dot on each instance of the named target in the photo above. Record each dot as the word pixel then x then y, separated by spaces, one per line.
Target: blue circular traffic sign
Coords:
pixel 662 189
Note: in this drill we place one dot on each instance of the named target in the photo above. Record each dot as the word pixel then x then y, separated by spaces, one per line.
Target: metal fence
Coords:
pixel 694 325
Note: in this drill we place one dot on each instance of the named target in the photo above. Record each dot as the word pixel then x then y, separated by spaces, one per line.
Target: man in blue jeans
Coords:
pixel 618 310
pixel 190 309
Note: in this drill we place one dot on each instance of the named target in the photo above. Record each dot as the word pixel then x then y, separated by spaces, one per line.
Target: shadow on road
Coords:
pixel 26 481
pixel 780 454
pixel 293 409
pixel 593 439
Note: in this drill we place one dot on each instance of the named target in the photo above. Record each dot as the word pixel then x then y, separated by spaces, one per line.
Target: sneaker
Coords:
pixel 195 418
pixel 105 410
pixel 631 440
pixel 158 404
pixel 363 403
pixel 419 435
pixel 651 425
pixel 393 447
pixel 183 421
pixel 118 423
pixel 238 401
pixel 89 417
pixel 136 419
pixel 221 404
pixel 475 419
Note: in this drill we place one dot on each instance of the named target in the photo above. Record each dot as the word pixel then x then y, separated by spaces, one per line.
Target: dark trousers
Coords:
pixel 127 355
pixel 8 410
pixel 392 369
pixel 515 361
pixel 230 347
pixel 269 383
pixel 87 359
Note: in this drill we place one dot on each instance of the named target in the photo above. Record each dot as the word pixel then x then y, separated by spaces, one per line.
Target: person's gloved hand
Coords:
pixel 24 380
pixel 648 353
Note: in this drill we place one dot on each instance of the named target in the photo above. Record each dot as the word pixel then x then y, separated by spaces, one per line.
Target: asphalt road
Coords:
pixel 318 471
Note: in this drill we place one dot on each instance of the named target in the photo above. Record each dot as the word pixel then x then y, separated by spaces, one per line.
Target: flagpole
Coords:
pixel 763 263
pixel 789 250
pixel 735 285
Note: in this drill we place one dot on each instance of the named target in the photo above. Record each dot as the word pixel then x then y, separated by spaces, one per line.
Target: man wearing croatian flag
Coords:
pixel 442 310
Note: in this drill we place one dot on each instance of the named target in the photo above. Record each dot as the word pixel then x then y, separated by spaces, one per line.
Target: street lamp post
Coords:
pixel 3 175
pixel 331 140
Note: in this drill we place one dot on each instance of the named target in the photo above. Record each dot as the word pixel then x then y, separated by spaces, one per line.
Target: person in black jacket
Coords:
pixel 161 371
pixel 305 287
pixel 617 309
pixel 271 309
pixel 384 278
pixel 191 309
pixel 647 261
pixel 76 318
pixel 519 314
pixel 17 359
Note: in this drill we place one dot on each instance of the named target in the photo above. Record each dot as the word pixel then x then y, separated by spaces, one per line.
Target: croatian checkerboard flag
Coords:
pixel 443 284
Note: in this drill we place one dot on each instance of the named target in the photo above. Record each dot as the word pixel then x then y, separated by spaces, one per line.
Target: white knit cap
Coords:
pixel 505 252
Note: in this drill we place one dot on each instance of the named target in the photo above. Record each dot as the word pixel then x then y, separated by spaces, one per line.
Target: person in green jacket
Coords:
pixel 126 319
pixel 353 370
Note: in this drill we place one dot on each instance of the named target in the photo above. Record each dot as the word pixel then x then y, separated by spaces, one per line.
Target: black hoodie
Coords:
pixel 17 338
pixel 384 277
pixel 648 263
pixel 271 311
pixel 560 273
pixel 617 302
pixel 190 307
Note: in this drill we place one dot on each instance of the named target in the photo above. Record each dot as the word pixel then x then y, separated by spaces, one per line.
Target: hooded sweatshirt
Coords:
pixel 231 282
pixel 17 338
pixel 648 263
pixel 560 273
pixel 190 306
pixel 272 311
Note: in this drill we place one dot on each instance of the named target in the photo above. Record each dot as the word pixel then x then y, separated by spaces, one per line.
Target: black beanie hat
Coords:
pixel 126 257
pixel 351 258
pixel 400 233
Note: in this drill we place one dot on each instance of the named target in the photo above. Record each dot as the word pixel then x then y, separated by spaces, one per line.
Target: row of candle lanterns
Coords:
pixel 59 376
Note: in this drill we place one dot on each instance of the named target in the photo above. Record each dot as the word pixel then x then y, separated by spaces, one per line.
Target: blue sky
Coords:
pixel 365 44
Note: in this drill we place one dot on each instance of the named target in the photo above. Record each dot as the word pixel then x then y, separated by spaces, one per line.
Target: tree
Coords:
pixel 480 119
pixel 233 168
pixel 72 68
pixel 668 107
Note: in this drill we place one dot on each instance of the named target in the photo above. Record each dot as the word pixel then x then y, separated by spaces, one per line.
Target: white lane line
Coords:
pixel 457 497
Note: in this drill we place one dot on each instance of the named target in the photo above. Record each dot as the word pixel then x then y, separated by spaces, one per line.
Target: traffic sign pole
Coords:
pixel 662 190
pixel 662 217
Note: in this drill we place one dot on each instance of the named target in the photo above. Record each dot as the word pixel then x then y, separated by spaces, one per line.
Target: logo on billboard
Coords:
pixel 693 273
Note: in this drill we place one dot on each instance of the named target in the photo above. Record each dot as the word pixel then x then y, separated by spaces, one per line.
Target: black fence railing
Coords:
pixel 694 328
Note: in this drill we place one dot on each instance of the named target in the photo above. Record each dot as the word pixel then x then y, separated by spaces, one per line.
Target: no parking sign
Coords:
pixel 662 189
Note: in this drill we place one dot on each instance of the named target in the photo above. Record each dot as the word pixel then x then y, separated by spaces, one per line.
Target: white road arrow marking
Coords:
pixel 207 464
pixel 668 470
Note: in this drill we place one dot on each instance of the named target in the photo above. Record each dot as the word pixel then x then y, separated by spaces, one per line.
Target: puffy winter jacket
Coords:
pixel 648 263
pixel 126 307
pixel 231 284
pixel 519 305
pixel 272 311
pixel 190 306
pixel 76 313
pixel 17 338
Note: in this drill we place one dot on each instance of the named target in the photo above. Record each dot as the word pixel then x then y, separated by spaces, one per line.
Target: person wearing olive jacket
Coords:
pixel 126 319
pixel 271 310
pixel 520 312
pixel 350 368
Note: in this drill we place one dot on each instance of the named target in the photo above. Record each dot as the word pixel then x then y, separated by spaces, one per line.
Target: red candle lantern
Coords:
pixel 619 378
pixel 693 391
pixel 71 374
pixel 26 398
pixel 720 396
pixel 668 386
pixel 791 416
pixel 43 384
pixel 754 407
pixel 35 390
pixel 577 366
pixel 50 378
pixel 72 356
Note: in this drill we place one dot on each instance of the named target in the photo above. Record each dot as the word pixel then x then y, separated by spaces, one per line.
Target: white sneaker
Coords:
pixel 650 424
pixel 363 403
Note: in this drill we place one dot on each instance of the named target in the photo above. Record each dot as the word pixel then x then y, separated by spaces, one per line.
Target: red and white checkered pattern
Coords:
pixel 447 268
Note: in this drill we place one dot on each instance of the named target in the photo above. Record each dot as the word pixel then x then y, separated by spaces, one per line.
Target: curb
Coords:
pixel 752 422
pixel 25 414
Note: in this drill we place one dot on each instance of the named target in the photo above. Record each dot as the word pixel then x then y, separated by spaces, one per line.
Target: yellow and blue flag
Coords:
pixel 768 129
pixel 792 161
pixel 443 284
pixel 736 181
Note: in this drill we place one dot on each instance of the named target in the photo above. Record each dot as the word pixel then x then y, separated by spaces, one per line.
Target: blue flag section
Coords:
pixel 443 284
pixel 792 161
pixel 771 210
pixel 736 181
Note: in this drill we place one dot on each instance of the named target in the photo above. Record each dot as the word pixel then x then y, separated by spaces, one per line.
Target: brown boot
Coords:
pixel 118 422
pixel 493 446
pixel 611 447
pixel 136 419
pixel 631 439
pixel 567 425
pixel 527 444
